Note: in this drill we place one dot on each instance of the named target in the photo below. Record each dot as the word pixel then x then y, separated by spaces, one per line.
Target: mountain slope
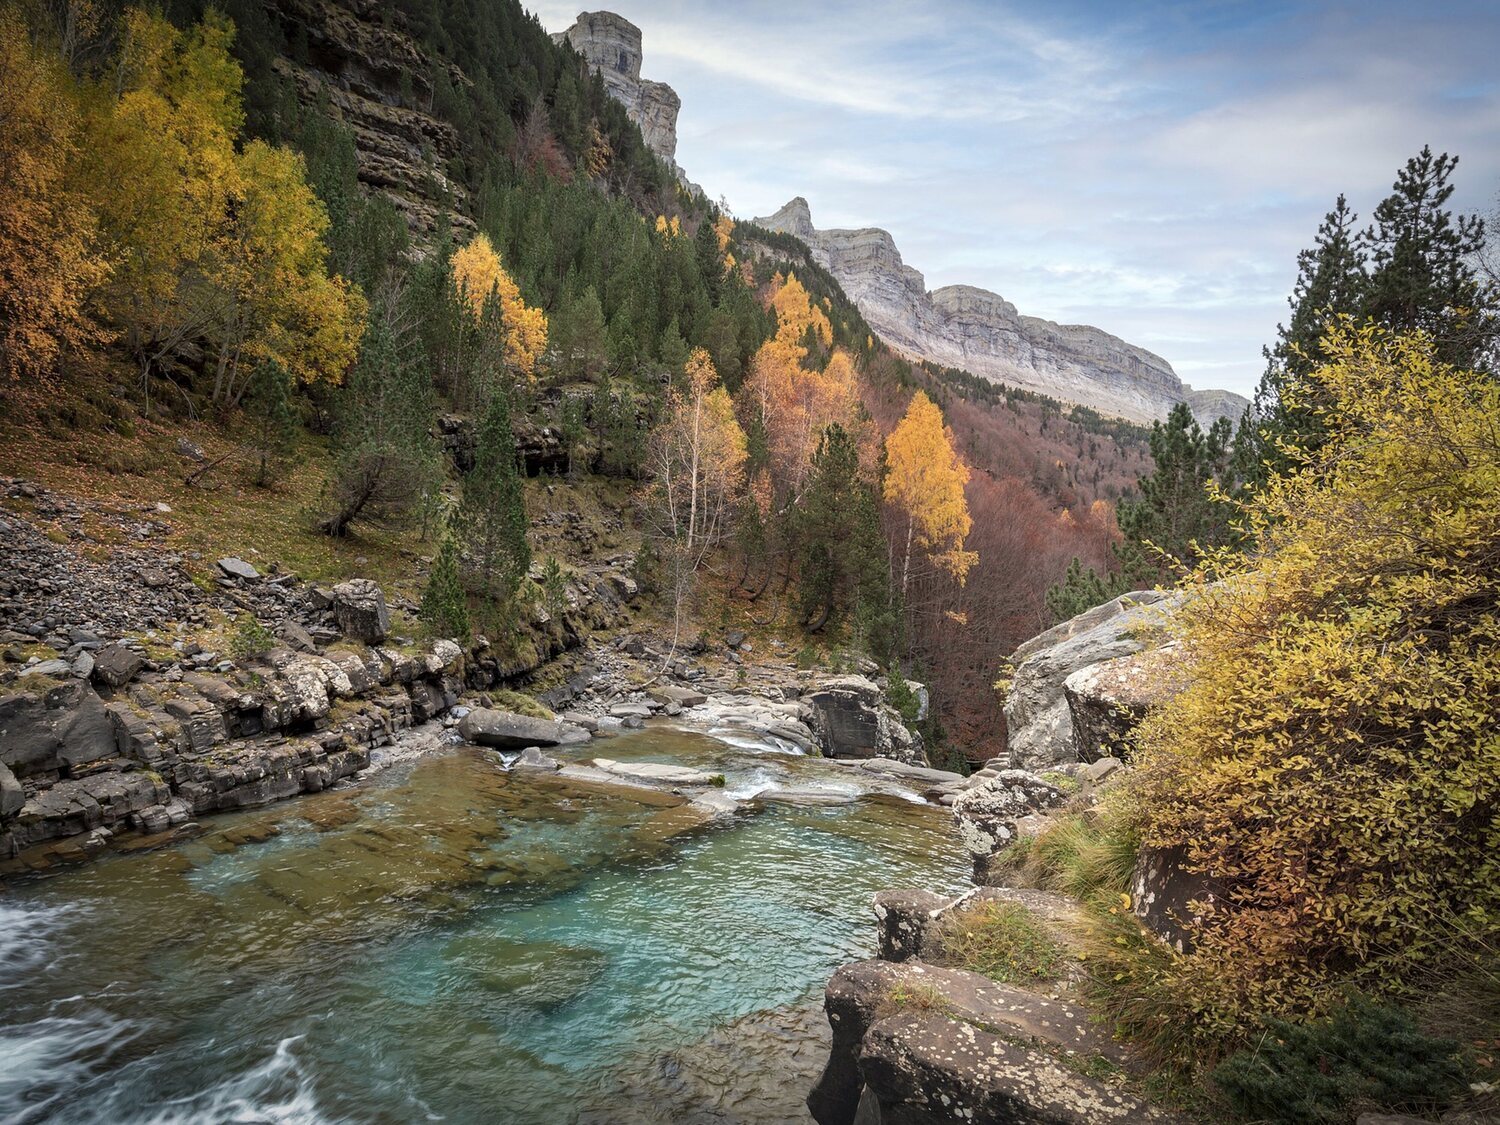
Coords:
pixel 981 332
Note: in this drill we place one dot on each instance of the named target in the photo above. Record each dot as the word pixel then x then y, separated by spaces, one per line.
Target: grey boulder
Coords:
pixel 360 610
pixel 506 730
pixel 117 665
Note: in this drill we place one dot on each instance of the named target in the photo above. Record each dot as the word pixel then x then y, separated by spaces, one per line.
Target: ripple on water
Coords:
pixel 450 938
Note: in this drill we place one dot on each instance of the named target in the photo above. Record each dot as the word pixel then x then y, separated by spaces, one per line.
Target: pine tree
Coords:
pixel 491 517
pixel 1421 263
pixel 1174 514
pixel 1082 588
pixel 386 462
pixel 445 608
pixel 273 422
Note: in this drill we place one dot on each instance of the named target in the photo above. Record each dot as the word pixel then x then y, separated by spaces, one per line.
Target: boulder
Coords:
pixel 863 996
pixel 903 918
pixel 1169 899
pixel 297 637
pixel 55 667
pixel 1107 701
pixel 1039 726
pixel 55 732
pixel 924 1068
pixel 505 730
pixel 238 568
pixel 683 697
pixel 853 720
pixel 533 759
pixel 115 665
pixel 360 610
pixel 987 812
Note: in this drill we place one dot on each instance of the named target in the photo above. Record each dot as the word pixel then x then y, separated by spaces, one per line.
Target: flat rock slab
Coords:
pixel 506 730
pixel 238 568
pixel 930 1068
pixel 683 697
pixel 656 772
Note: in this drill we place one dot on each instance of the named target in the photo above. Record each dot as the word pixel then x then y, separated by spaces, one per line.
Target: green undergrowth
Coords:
pixel 521 704
pixel 1002 940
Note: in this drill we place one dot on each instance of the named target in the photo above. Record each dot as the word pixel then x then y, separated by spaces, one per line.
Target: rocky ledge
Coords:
pixel 919 1043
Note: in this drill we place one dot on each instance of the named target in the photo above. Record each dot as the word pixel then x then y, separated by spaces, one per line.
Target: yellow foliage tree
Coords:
pixel 796 314
pixel 795 405
pixel 480 278
pixel 48 262
pixel 271 267
pixel 1329 758
pixel 925 479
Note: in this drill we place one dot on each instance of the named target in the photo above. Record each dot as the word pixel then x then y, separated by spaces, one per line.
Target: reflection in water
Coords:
pixel 449 941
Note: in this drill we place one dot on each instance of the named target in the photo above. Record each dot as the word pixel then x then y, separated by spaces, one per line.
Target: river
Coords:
pixel 449 941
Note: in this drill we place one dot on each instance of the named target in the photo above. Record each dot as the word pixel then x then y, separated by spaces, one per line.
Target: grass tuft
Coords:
pixel 1002 940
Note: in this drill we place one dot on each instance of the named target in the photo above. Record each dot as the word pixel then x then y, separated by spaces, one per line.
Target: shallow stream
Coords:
pixel 448 941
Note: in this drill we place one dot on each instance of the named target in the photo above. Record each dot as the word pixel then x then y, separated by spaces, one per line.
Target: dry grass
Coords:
pixel 1002 940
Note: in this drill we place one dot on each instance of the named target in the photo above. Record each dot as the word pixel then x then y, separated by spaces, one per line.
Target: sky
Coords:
pixel 1148 168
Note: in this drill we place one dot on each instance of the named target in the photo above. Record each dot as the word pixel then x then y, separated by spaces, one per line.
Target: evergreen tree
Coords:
pixel 582 339
pixel 445 608
pixel 491 517
pixel 273 422
pixel 1082 588
pixel 841 553
pixel 1174 513
pixel 1421 263
pixel 386 462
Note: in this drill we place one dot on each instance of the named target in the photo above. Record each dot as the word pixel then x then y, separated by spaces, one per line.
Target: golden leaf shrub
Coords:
pixel 1331 758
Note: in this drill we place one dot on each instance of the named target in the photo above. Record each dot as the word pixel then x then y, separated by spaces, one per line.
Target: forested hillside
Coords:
pixel 468 215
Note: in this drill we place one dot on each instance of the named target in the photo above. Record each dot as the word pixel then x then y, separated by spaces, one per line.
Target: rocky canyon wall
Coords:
pixel 611 44
pixel 983 333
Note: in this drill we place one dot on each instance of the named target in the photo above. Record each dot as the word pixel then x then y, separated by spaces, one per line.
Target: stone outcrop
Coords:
pixel 151 756
pixel 360 610
pixel 919 1043
pixel 368 69
pixel 982 333
pixel 1039 724
pixel 987 812
pixel 1106 701
pixel 611 44
pixel 853 720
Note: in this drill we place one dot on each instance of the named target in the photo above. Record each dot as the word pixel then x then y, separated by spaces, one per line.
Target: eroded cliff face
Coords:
pixel 358 56
pixel 981 332
pixel 611 44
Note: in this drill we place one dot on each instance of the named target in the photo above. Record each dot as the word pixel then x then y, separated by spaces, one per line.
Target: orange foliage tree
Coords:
pixel 48 261
pixel 480 279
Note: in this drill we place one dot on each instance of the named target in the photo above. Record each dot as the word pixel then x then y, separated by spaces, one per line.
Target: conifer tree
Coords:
pixel 1174 513
pixel 445 608
pixel 273 422
pixel 491 517
pixel 386 463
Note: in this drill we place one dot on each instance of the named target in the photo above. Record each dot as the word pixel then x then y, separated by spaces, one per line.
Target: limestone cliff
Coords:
pixel 981 332
pixel 611 44
pixel 358 57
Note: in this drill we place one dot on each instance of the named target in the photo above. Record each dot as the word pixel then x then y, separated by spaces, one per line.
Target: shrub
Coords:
pixel 1330 759
pixel 1365 1056
pixel 520 704
pixel 250 639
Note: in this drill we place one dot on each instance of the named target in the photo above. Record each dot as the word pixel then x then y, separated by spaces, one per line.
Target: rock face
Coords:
pixel 853 720
pixel 1106 701
pixel 1038 722
pixel 153 754
pixel 364 64
pixel 982 333
pixel 611 44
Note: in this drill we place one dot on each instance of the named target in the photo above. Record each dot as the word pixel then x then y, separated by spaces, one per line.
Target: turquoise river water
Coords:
pixel 448 941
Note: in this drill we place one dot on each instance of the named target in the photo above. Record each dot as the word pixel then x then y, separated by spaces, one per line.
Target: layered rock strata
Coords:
pixel 370 73
pixel 611 44
pixel 982 333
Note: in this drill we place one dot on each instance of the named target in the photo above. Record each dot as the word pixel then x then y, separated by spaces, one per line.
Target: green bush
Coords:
pixel 1366 1056
pixel 250 639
